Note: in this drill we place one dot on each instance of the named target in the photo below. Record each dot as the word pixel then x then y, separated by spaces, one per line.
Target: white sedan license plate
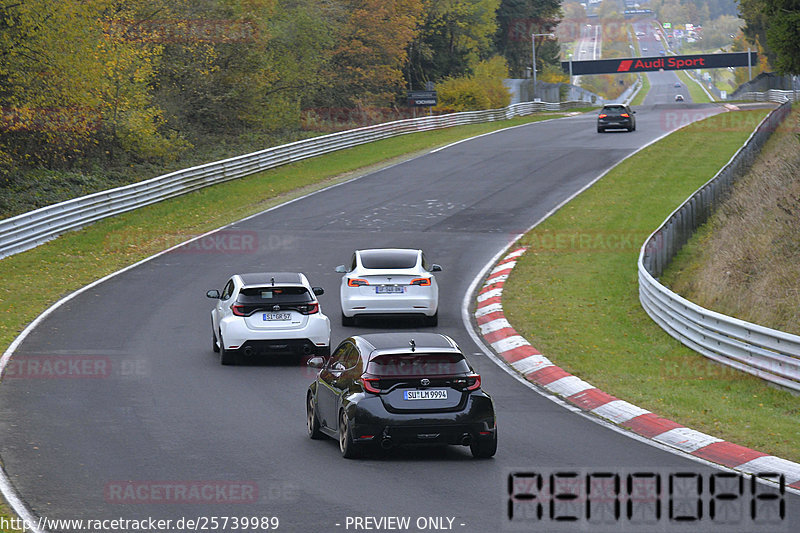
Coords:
pixel 276 317
pixel 431 394
pixel 389 289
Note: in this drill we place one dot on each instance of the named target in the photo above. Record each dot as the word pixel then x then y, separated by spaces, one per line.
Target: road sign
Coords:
pixel 422 98
pixel 649 64
pixel 667 25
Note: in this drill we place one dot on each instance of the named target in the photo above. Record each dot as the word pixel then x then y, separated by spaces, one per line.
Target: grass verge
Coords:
pixel 574 295
pixel 696 92
pixel 642 94
pixel 35 279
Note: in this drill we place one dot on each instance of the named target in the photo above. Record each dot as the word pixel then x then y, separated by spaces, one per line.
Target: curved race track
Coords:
pixel 168 413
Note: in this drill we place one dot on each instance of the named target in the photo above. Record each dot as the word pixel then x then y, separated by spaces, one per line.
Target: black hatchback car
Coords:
pixel 388 389
pixel 616 116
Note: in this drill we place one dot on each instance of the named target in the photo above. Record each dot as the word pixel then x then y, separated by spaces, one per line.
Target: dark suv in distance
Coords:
pixel 616 116
pixel 388 389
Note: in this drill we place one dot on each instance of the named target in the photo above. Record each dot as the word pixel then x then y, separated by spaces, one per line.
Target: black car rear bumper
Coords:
pixel 372 422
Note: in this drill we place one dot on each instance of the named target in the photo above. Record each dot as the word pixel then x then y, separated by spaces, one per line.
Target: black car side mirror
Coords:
pixel 319 291
pixel 316 362
pixel 213 294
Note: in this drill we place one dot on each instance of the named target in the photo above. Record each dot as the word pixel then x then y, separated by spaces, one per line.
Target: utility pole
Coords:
pixel 533 53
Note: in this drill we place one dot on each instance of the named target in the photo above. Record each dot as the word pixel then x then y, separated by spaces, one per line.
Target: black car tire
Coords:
pixel 630 129
pixel 226 357
pixel 312 422
pixel 484 448
pixel 348 321
pixel 432 321
pixel 600 130
pixel 348 448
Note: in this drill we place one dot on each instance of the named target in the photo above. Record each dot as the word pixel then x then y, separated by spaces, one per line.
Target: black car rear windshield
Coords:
pixel 389 259
pixel 614 110
pixel 260 295
pixel 418 364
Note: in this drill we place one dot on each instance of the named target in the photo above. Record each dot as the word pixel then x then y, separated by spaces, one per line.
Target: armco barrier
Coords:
pixel 767 353
pixel 773 95
pixel 31 229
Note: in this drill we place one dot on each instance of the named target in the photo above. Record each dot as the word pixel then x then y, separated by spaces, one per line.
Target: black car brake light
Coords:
pixel 473 381
pixel 371 385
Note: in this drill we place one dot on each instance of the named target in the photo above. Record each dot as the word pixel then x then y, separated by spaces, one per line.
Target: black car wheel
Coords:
pixel 484 448
pixel 348 321
pixel 600 130
pixel 226 357
pixel 346 445
pixel 312 420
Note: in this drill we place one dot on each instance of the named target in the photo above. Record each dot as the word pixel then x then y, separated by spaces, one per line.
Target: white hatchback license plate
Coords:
pixel 389 289
pixel 431 394
pixel 276 317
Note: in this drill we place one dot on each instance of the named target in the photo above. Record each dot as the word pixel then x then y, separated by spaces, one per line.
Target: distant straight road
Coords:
pixel 164 416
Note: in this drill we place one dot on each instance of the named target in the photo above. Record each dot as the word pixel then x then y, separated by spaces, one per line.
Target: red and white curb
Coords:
pixel 539 370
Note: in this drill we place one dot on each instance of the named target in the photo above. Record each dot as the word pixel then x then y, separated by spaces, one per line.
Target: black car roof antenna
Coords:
pixel 413 345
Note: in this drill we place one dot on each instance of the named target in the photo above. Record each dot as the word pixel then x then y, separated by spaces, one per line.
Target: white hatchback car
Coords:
pixel 389 281
pixel 268 313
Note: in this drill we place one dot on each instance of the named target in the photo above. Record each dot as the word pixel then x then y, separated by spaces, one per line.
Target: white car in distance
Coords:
pixel 268 313
pixel 389 282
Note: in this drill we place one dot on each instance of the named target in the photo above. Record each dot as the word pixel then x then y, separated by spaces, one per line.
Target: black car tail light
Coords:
pixel 473 381
pixel 625 115
pixel 602 115
pixel 371 385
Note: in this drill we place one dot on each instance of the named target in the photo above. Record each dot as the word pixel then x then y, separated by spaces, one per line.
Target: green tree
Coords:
pixel 517 20
pixel 455 34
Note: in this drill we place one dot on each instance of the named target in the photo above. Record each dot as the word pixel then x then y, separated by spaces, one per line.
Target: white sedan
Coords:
pixel 389 281
pixel 268 313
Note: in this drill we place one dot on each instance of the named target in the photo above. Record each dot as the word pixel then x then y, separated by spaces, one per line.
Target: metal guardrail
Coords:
pixel 773 95
pixel 767 353
pixel 31 229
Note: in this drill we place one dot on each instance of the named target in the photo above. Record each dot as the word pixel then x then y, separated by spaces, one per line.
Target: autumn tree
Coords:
pixel 370 50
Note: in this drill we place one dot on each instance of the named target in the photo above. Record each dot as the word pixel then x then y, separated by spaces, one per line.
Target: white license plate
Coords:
pixel 276 317
pixel 388 289
pixel 430 394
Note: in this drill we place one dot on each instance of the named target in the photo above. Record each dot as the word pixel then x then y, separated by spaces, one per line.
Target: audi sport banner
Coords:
pixel 649 64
